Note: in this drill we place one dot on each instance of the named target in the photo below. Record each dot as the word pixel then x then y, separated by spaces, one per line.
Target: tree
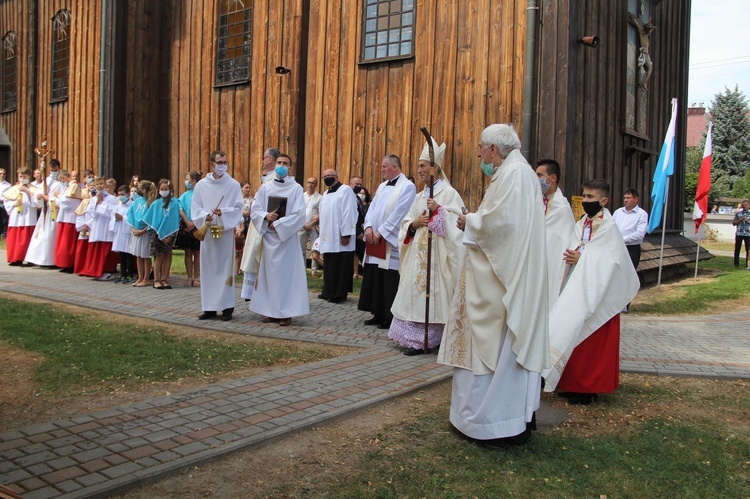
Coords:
pixel 731 139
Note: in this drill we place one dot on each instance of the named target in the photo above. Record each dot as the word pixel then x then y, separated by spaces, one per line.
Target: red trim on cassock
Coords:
pixel 98 259
pixel 594 365
pixel 17 240
pixel 65 245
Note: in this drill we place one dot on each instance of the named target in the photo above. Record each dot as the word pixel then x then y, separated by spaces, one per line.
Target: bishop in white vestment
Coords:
pixel 497 331
pixel 438 215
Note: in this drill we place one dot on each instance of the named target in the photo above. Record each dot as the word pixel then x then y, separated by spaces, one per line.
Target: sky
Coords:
pixel 719 49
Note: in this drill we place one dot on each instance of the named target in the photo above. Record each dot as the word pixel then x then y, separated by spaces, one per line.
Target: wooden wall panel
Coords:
pixel 14 16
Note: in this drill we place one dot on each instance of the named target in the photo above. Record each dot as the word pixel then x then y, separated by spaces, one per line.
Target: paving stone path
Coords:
pixel 101 453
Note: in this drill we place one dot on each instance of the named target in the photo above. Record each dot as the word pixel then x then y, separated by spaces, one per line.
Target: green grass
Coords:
pixel 718 245
pixel 671 455
pixel 81 350
pixel 728 284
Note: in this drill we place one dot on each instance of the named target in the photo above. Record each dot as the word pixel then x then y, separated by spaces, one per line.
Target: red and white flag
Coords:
pixel 704 185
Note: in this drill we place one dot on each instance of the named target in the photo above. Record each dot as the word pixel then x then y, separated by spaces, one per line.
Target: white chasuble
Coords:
pixel 447 256
pixel 503 280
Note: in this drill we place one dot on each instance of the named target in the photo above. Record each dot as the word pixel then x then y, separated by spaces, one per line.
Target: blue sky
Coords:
pixel 719 48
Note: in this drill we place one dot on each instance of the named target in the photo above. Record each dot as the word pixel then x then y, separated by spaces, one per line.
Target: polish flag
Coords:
pixel 704 185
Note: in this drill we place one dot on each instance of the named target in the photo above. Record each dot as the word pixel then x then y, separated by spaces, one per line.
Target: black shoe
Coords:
pixel 384 325
pixel 226 317
pixel 414 351
pixel 206 315
pixel 504 443
pixel 581 398
pixel 374 321
pixel 321 297
pixel 336 300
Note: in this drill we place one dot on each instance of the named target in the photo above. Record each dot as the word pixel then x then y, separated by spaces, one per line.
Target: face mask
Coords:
pixel 357 188
pixel 53 175
pixel 361 196
pixel 89 180
pixel 220 170
pixel 591 207
pixel 488 168
pixel 64 185
pixel 123 199
pixel 281 171
pixel 24 181
pixel 545 185
pixel 164 194
pixel 329 181
pixel 133 196
pixel 92 192
pixel 188 185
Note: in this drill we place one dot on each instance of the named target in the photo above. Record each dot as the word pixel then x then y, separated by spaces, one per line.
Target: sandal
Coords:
pixel 188 283
pixel 196 283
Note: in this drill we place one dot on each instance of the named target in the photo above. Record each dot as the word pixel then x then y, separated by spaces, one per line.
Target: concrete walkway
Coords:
pixel 97 454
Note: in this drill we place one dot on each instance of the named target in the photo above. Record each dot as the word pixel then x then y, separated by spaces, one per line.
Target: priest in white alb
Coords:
pixel 337 235
pixel 496 336
pixel 278 214
pixel 559 222
pixel 217 200
pixel 251 252
pixel 439 215
pixel 585 321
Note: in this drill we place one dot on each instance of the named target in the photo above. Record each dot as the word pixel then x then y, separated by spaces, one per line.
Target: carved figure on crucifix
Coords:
pixel 644 59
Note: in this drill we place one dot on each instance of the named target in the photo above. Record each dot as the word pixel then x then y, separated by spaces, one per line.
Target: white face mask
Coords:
pixel 24 181
pixel 220 170
pixel 53 175
pixel 164 193
pixel 361 196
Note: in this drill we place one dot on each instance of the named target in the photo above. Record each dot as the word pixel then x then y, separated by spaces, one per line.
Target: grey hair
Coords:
pixel 502 136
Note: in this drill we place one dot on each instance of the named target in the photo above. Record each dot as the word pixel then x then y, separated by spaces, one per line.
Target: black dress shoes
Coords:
pixel 226 314
pixel 384 325
pixel 374 321
pixel 206 315
pixel 414 351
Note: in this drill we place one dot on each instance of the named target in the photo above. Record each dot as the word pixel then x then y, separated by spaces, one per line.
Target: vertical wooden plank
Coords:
pixel 316 98
pixel 348 35
pixel 548 50
pixel 519 64
pixel 208 111
pixel 260 79
pixel 273 88
pixel 424 61
pixel 376 103
pixel 444 73
pixel 331 86
pixel 562 22
pixel 289 83
pixel 197 23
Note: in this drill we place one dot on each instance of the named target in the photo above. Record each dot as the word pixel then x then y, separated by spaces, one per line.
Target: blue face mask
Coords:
pixel 545 186
pixel 188 185
pixel 123 199
pixel 281 171
pixel 488 168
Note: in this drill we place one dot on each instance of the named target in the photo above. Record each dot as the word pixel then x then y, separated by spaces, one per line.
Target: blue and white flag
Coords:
pixel 664 170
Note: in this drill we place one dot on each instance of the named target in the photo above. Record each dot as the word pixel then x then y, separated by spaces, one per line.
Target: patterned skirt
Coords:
pixel 140 246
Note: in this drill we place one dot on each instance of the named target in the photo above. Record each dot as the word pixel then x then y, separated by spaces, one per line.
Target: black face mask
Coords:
pixel 357 188
pixel 591 207
pixel 329 181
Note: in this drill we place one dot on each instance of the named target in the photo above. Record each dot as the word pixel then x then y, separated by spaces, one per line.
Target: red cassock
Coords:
pixel 82 251
pixel 65 245
pixel 594 365
pixel 17 241
pixel 99 259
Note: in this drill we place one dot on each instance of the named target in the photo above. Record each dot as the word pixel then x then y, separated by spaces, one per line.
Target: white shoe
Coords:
pixel 105 277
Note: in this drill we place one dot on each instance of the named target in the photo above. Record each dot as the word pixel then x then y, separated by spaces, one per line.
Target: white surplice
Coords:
pixel 387 209
pixel 560 226
pixel 282 281
pixel 601 284
pixel 120 228
pixel 497 331
pixel 338 218
pixel 217 254
pixel 98 216
pixel 42 246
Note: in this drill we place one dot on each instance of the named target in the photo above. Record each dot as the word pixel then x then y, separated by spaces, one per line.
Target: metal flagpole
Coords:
pixel 698 251
pixel 663 233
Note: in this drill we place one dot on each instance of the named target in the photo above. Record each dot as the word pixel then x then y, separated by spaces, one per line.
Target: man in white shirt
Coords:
pixel 309 232
pixel 632 221
pixel 4 186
